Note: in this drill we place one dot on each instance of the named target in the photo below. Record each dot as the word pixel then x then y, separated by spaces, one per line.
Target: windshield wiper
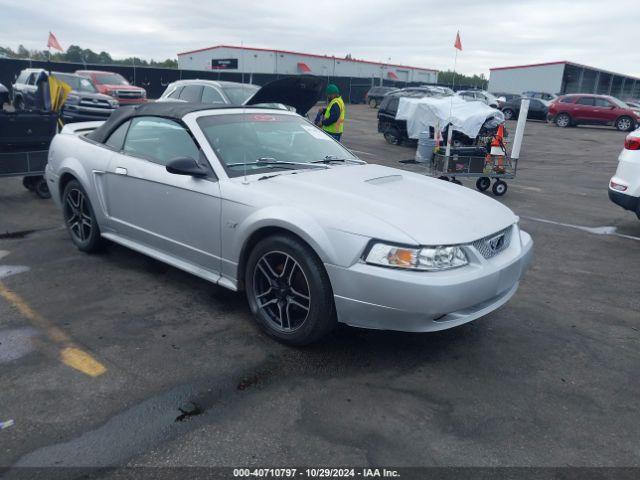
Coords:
pixel 272 162
pixel 331 158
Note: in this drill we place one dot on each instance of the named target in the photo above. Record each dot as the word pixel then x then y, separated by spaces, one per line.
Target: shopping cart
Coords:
pixel 475 162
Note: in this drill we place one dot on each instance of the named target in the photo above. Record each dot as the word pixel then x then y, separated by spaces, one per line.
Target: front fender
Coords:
pixel 331 245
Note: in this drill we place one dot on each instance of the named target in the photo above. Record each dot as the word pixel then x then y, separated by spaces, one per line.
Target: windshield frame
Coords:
pixel 219 165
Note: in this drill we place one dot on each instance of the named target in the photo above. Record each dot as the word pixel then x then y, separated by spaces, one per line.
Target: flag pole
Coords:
pixel 450 129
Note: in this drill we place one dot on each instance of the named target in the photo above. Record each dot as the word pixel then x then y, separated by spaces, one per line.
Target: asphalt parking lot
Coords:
pixel 98 353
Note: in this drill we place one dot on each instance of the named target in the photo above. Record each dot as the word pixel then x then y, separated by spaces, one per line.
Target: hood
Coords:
pixel 374 200
pixel 300 92
pixel 121 87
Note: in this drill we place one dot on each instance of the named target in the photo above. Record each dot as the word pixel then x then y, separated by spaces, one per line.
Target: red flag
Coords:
pixel 53 42
pixel 458 43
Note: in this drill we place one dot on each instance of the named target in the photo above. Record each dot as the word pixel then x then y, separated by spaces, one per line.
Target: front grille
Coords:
pixel 492 245
pixel 97 103
pixel 129 94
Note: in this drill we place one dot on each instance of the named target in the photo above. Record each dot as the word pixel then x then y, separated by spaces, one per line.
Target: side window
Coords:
pixel 211 95
pixel 393 105
pixel 175 93
pixel 32 79
pixel 586 101
pixel 601 102
pixel 159 140
pixel 116 139
pixel 191 93
pixel 567 100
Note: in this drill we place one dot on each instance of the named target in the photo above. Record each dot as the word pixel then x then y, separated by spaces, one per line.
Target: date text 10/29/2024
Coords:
pixel 315 473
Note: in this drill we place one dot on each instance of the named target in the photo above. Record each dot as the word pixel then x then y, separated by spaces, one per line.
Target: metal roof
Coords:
pixel 313 55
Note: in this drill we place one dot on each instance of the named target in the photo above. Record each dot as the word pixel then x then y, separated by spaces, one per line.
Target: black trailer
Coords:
pixel 25 137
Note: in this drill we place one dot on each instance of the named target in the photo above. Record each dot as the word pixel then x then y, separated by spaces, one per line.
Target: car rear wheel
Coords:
pixel 392 136
pixel 509 114
pixel 373 103
pixel 288 290
pixel 563 120
pixel 18 103
pixel 41 188
pixel 79 218
pixel 624 124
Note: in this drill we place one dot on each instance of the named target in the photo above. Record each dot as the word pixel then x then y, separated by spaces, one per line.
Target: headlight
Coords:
pixel 71 98
pixel 637 112
pixel 425 258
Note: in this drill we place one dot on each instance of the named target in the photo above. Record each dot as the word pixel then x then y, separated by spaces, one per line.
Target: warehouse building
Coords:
pixel 267 61
pixel 562 77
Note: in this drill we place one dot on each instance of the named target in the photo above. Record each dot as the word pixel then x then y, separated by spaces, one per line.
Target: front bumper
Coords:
pixel 71 116
pixel 368 296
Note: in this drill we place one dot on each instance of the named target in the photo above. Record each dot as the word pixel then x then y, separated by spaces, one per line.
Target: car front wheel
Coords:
pixel 79 218
pixel 288 290
pixel 563 120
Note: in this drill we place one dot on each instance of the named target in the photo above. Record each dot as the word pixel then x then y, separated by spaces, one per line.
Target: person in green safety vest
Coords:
pixel 332 122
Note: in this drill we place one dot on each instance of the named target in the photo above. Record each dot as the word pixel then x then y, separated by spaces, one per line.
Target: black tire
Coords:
pixel 625 124
pixel 18 103
pixel 563 120
pixel 443 177
pixel 79 218
pixel 509 113
pixel 392 136
pixel 281 271
pixel 29 183
pixel 499 188
pixel 42 189
pixel 483 183
pixel 373 103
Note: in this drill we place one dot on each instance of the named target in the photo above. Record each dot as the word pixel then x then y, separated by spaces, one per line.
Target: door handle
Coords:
pixel 120 171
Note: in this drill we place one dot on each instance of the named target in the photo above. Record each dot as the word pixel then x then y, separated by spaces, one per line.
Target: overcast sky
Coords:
pixel 418 33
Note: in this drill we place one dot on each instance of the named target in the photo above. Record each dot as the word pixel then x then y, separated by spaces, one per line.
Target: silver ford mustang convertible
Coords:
pixel 258 199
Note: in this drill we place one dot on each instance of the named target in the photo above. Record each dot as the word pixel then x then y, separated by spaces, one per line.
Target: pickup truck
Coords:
pixel 115 85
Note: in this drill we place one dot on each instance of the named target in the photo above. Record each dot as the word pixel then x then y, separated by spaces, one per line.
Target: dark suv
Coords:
pixel 578 108
pixel 375 95
pixel 84 103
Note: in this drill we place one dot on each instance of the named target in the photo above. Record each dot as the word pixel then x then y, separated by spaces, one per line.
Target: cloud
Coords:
pixel 413 32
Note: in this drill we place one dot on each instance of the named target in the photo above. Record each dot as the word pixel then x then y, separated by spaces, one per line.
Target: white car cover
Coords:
pixel 466 117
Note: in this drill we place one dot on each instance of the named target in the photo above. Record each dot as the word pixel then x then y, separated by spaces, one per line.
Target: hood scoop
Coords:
pixel 384 180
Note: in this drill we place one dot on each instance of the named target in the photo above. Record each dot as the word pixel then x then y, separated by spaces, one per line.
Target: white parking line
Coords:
pixel 593 230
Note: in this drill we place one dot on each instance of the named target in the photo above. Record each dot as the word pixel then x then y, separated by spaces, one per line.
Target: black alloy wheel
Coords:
pixel 79 218
pixel 289 291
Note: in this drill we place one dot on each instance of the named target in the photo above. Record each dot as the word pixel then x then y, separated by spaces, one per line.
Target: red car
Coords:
pixel 115 85
pixel 588 109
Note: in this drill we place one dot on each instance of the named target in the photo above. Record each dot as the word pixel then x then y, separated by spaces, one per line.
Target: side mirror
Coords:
pixel 186 166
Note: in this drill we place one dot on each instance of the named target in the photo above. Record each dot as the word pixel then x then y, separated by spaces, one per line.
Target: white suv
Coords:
pixel 624 186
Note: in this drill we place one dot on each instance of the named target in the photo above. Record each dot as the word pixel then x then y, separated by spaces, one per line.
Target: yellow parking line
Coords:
pixel 70 354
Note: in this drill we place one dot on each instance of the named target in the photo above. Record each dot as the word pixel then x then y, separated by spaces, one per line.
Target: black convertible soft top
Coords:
pixel 172 110
pixel 300 91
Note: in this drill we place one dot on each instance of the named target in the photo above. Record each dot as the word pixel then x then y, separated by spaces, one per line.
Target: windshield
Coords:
pixel 110 79
pixel 76 82
pixel 256 139
pixel 618 103
pixel 240 94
